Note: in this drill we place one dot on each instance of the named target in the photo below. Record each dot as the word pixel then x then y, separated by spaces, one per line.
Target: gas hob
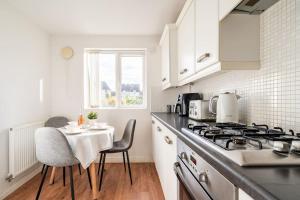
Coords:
pixel 255 145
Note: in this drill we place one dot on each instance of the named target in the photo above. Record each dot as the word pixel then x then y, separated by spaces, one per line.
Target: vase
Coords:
pixel 92 122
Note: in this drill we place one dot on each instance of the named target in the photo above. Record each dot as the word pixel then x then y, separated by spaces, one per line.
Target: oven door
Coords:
pixel 188 186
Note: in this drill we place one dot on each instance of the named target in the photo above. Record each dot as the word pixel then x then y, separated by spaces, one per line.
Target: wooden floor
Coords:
pixel 116 185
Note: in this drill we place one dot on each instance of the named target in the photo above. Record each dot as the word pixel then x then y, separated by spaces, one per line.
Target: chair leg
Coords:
pixel 102 170
pixel 124 160
pixel 71 182
pixel 64 175
pixel 79 168
pixel 101 154
pixel 43 169
pixel 89 176
pixel 52 177
pixel 42 183
pixel 129 169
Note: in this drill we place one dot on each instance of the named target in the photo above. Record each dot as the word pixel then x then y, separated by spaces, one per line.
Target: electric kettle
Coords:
pixel 226 107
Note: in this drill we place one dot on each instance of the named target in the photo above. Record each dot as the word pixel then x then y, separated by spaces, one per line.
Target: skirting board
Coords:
pixel 20 182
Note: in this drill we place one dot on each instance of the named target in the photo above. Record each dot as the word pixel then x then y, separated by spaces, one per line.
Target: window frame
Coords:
pixel 119 53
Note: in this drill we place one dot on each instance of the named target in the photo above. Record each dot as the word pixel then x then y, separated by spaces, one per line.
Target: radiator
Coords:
pixel 22 148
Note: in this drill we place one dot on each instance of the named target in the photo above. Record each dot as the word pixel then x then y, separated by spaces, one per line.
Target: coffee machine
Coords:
pixel 183 101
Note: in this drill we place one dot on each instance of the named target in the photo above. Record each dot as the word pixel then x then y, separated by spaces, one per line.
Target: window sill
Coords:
pixel 115 108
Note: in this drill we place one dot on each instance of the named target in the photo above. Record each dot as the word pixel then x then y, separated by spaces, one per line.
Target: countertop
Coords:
pixel 261 183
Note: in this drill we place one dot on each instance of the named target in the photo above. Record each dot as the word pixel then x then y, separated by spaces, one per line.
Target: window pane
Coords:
pixel 132 80
pixel 107 74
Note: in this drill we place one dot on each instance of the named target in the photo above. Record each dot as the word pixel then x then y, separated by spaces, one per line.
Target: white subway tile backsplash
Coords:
pixel 272 94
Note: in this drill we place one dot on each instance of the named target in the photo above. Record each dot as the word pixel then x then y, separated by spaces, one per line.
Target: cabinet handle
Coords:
pixel 168 140
pixel 203 57
pixel 203 177
pixel 164 79
pixel 158 129
pixel 183 155
pixel 184 71
pixel 153 122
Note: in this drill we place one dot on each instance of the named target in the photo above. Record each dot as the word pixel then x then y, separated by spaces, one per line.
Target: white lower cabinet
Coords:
pixel 154 141
pixel 164 155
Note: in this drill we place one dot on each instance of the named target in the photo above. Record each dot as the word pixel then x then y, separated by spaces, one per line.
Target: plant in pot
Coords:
pixel 92 116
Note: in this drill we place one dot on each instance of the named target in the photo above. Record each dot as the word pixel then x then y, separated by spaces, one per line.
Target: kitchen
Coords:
pixel 214 88
pixel 229 159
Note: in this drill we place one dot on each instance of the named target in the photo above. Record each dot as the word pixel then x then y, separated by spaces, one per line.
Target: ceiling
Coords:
pixel 101 17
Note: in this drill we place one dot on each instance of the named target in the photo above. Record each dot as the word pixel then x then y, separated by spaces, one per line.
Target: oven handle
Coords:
pixel 177 170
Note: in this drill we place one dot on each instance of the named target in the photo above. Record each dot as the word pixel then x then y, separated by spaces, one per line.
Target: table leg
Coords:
pixel 52 175
pixel 94 181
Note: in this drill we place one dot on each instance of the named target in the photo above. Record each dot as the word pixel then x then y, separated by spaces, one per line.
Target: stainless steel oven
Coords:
pixel 198 180
pixel 189 188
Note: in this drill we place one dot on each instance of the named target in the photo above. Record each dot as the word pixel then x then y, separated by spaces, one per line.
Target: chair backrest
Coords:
pixel 52 148
pixel 57 122
pixel 128 135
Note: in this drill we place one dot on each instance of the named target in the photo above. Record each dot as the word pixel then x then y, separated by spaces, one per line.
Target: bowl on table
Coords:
pixel 73 123
pixel 70 129
pixel 99 126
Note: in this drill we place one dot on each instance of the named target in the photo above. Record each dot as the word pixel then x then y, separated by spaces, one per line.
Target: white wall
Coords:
pixel 24 60
pixel 67 86
pixel 270 95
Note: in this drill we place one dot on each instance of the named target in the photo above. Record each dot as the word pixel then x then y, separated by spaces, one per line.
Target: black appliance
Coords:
pixel 183 101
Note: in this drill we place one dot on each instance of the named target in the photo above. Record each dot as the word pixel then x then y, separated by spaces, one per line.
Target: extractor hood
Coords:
pixel 254 7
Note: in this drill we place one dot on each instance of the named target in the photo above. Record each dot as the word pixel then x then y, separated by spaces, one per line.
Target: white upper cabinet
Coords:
pixel 243 195
pixel 226 6
pixel 207 33
pixel 198 40
pixel 216 40
pixel 165 60
pixel 168 50
pixel 186 41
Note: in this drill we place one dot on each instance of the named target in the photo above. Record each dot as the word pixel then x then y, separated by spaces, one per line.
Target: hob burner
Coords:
pixel 249 145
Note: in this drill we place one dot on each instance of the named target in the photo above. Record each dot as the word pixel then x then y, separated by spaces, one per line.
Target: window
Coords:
pixel 115 79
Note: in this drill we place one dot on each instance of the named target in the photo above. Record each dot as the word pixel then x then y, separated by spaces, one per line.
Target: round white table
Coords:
pixel 86 147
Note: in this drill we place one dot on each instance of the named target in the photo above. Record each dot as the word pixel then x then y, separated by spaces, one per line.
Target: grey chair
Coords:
pixel 53 149
pixel 121 146
pixel 58 122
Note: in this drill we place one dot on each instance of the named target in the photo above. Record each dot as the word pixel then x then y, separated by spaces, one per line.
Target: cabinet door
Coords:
pixel 154 140
pixel 186 42
pixel 165 151
pixel 207 33
pixel 165 59
pixel 170 154
pixel 226 6
pixel 159 155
